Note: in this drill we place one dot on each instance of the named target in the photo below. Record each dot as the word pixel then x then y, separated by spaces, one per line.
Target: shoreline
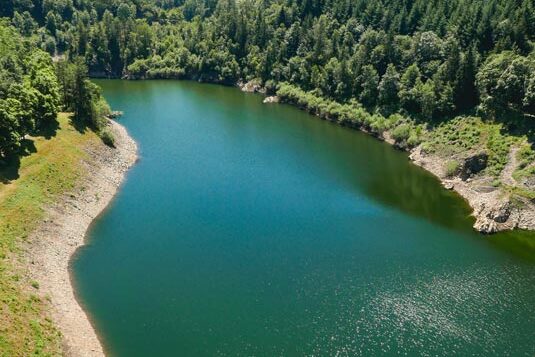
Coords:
pixel 493 209
pixel 52 245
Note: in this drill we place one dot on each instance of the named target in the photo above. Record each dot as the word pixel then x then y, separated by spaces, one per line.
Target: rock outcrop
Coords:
pixel 271 99
pixel 493 208
pixel 253 86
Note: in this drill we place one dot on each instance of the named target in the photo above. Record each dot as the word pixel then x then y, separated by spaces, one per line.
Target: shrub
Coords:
pixel 401 133
pixel 413 140
pixel 525 156
pixel 107 137
pixel 452 168
pixel 378 126
pixel 271 87
pixel 99 111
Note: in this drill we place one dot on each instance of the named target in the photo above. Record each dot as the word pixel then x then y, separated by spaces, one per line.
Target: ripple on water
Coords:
pixel 471 311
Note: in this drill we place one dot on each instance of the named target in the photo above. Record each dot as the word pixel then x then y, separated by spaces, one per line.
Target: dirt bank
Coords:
pixel 51 246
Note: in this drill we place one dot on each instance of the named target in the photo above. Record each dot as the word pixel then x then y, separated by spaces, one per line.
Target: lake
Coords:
pixel 249 229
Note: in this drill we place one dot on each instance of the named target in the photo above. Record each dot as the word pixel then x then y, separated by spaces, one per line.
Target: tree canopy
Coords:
pixel 426 60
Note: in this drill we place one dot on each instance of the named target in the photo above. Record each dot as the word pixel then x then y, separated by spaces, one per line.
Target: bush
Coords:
pixel 413 140
pixel 271 87
pixel 452 168
pixel 401 133
pixel 525 156
pixel 99 111
pixel 107 137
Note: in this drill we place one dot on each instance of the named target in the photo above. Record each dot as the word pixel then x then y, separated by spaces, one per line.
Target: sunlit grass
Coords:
pixel 38 179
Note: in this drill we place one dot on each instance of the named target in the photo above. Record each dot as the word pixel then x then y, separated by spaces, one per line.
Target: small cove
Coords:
pixel 251 229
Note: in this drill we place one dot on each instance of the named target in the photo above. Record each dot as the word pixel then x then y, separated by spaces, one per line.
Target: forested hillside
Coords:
pixel 33 90
pixel 399 69
pixel 429 59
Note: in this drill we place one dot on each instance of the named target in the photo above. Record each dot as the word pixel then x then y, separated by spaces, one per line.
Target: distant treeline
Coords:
pixel 33 90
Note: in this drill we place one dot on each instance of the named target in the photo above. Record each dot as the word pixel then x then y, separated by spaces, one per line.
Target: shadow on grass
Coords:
pixel 9 167
pixel 520 126
pixel 48 131
pixel 80 124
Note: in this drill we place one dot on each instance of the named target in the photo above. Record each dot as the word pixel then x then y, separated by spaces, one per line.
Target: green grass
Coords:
pixel 465 135
pixel 43 176
pixel 452 167
pixel 525 157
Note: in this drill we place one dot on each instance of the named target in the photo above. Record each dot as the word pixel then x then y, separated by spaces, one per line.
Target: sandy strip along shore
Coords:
pixel 52 245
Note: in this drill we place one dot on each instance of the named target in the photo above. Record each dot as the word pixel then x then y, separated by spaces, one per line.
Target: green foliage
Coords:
pixel 401 133
pixel 525 156
pixel 452 168
pixel 107 137
pixel 389 88
pixel 80 95
pixel 463 136
pixel 392 56
pixel 498 147
pixel 506 82
pixel 29 90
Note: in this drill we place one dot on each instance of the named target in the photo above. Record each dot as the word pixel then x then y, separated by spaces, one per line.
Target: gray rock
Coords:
pixel 473 165
pixel 271 99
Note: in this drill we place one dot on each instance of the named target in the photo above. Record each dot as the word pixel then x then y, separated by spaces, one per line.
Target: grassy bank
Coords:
pixel 50 168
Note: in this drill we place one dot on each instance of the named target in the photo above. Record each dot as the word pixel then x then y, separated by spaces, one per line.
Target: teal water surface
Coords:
pixel 258 230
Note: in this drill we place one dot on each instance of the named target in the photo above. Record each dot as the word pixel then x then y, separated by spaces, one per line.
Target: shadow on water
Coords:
pixel 519 243
pixel 419 194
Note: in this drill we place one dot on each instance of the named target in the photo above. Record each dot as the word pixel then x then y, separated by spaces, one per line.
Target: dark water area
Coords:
pixel 258 230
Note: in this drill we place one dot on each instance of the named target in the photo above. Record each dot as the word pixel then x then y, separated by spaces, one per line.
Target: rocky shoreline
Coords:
pixel 493 208
pixel 57 239
pixel 51 246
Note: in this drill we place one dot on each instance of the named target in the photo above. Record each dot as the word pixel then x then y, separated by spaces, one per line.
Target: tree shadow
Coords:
pixel 48 131
pixel 10 166
pixel 518 124
pixel 9 169
pixel 79 124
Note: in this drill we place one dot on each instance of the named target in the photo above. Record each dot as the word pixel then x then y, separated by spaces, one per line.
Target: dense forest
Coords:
pixel 33 90
pixel 379 64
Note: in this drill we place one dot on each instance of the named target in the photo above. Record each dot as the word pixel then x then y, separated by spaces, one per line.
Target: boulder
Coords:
pixel 271 99
pixel 250 87
pixel 473 165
